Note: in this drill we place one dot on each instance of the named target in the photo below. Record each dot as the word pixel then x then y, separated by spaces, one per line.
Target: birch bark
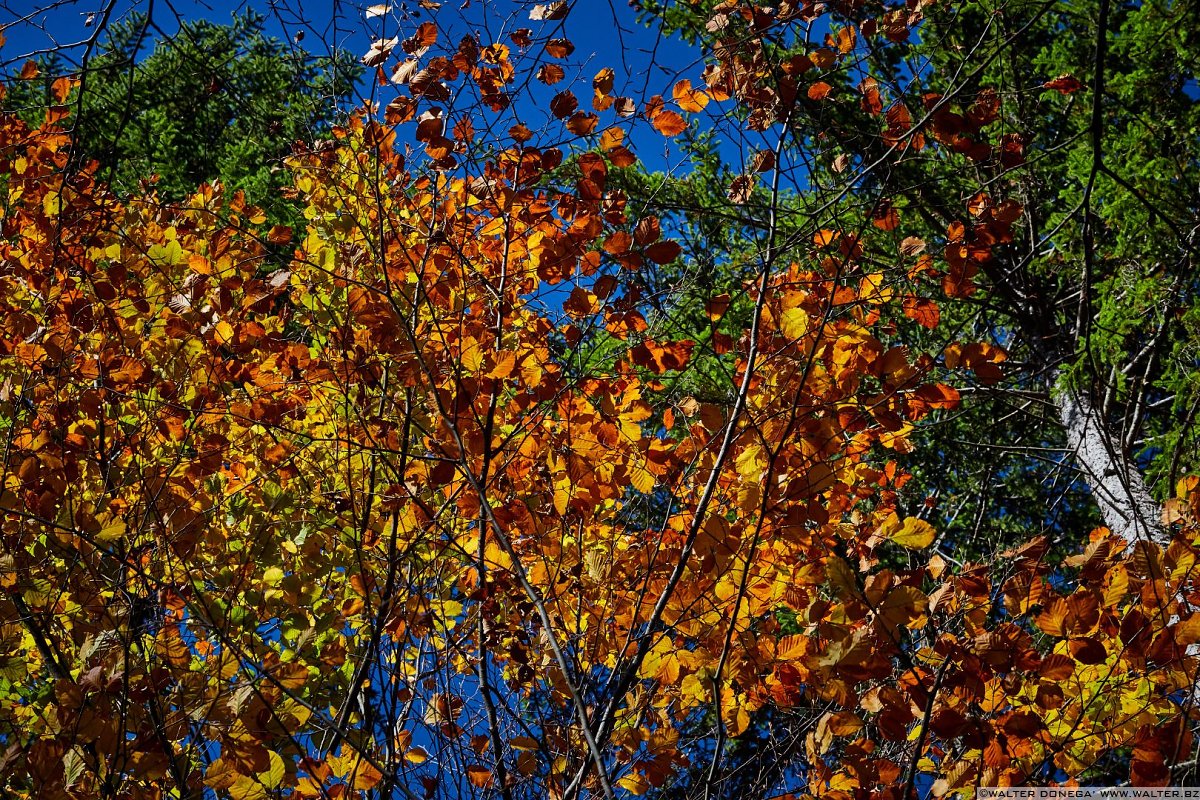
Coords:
pixel 1125 503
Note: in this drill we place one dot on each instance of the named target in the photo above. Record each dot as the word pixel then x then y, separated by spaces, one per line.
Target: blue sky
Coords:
pixel 605 33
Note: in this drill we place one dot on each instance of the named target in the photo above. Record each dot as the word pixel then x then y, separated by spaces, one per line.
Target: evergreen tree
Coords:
pixel 208 102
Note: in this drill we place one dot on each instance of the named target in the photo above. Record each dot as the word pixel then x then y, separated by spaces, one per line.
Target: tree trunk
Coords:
pixel 1125 504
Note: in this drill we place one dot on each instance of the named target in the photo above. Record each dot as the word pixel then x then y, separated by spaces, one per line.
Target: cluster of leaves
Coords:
pixel 1084 115
pixel 422 515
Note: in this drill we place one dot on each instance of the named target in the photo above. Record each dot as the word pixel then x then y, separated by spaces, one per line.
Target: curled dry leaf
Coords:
pixel 404 71
pixel 550 11
pixel 379 51
pixel 764 161
pixel 741 189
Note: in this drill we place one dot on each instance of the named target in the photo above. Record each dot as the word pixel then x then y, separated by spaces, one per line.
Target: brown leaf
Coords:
pixel 550 74
pixel 424 38
pixel 663 252
pixel 559 48
pixel 582 124
pixel 741 189
pixel 563 104
pixel 763 161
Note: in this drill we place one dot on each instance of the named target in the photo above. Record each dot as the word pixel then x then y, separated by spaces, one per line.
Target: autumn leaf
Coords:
pixel 1064 84
pixel 611 139
pixel 480 777
pixel 463 455
pixel 741 190
pixel 669 123
pixel 379 51
pixel 549 11
pixel 913 533
pixel 687 98
pixel 819 90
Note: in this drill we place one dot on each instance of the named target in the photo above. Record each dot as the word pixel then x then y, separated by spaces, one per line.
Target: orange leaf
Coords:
pixel 689 99
pixel 366 776
pixel 1064 84
pixel 602 84
pixel 669 123
pixel 611 138
pixel 819 90
pixel 480 777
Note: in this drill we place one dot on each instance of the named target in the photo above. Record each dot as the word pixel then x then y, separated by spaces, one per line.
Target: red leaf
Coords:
pixel 1064 84
pixel 663 252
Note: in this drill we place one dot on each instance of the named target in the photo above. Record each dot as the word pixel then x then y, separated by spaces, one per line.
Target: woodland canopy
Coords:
pixel 691 400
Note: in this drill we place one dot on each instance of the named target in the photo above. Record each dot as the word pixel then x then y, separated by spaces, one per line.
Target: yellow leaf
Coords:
pixel 795 323
pixel 418 755
pixel 563 491
pixel 166 255
pixel 472 356
pixel 111 531
pixel 494 228
pixel 273 776
pixel 366 776
pixel 506 362
pixel 634 783
pixel 245 788
pixel 694 688
pixel 734 713
pixel 52 204
pixel 751 463
pixel 914 534
pixel 223 332
pixel 641 479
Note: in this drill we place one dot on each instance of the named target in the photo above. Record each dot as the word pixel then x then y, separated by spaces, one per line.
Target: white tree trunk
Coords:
pixel 1125 504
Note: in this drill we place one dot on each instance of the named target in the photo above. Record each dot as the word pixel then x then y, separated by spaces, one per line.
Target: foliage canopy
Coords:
pixel 456 503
